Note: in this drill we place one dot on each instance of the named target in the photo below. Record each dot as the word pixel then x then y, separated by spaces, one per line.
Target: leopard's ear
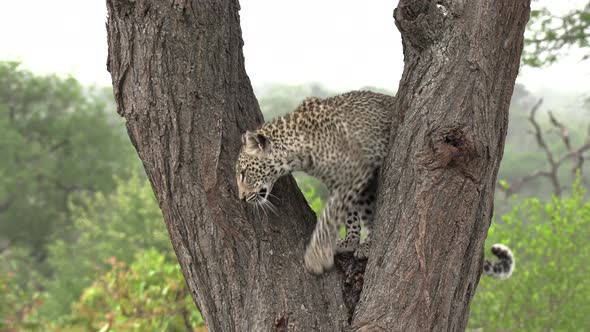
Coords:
pixel 255 143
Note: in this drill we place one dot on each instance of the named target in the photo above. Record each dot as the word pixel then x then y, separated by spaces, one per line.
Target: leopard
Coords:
pixel 341 140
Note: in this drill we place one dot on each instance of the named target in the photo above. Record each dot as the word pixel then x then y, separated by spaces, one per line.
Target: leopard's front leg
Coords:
pixel 319 255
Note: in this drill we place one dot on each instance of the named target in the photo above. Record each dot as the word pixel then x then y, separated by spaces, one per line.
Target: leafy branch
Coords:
pixel 550 35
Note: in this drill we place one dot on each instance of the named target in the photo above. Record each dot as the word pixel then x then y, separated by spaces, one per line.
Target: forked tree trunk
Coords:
pixel 179 81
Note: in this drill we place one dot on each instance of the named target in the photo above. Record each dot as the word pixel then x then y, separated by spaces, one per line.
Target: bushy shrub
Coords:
pixel 119 224
pixel 148 295
pixel 19 291
pixel 550 287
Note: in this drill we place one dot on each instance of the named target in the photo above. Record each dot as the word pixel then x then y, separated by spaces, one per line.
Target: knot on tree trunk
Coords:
pixel 420 22
pixel 450 148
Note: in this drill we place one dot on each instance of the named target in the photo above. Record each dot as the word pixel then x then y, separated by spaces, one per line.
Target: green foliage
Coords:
pixel 11 306
pixel 119 274
pixel 56 139
pixel 119 225
pixel 549 289
pixel 20 297
pixel 64 152
pixel 148 295
pixel 548 35
pixel 316 195
pixel 314 191
pixel 504 184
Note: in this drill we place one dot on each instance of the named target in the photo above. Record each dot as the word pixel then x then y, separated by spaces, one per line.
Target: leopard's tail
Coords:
pixel 501 268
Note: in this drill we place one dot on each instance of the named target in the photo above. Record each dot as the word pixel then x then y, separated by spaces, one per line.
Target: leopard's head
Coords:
pixel 258 167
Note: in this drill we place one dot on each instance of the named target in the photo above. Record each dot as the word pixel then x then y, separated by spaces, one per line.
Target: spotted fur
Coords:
pixel 341 140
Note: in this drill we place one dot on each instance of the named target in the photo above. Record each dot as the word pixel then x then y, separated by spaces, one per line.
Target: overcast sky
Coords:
pixel 343 44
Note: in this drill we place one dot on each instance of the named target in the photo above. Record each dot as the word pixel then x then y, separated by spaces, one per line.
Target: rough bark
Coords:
pixel 179 81
pixel 436 195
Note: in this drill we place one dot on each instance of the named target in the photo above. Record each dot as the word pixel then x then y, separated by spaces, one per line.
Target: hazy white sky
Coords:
pixel 343 44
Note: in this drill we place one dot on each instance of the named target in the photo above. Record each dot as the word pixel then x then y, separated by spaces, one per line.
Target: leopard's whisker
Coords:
pixel 258 202
pixel 274 196
pixel 271 207
pixel 264 204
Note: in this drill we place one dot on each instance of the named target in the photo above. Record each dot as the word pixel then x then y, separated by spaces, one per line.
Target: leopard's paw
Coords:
pixel 318 259
pixel 362 251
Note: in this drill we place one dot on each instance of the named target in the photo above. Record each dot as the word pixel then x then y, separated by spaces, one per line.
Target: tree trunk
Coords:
pixel 179 81
pixel 437 185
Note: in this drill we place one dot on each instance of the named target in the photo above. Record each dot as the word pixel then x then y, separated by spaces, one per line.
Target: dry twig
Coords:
pixel 577 155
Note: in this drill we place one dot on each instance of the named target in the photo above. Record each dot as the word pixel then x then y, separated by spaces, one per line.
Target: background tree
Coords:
pixel 118 225
pixel 570 155
pixel 57 139
pixel 551 36
pixel 181 85
pixel 550 288
pixel 148 295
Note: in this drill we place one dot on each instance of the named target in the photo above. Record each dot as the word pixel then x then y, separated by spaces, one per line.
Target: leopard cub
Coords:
pixel 341 140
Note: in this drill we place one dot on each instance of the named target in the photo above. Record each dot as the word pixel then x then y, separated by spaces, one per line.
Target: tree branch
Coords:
pixel 552 173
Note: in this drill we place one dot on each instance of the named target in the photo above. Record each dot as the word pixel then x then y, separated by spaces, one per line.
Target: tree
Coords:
pixel 550 34
pixel 179 81
pixel 120 224
pixel 18 310
pixel 57 138
pixel 550 290
pixel 148 295
pixel 575 155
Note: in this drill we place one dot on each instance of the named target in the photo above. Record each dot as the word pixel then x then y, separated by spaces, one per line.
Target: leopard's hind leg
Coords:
pixel 319 255
pixel 361 212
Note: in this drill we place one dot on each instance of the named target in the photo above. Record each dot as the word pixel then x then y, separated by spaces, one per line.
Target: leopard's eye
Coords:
pixel 242 176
